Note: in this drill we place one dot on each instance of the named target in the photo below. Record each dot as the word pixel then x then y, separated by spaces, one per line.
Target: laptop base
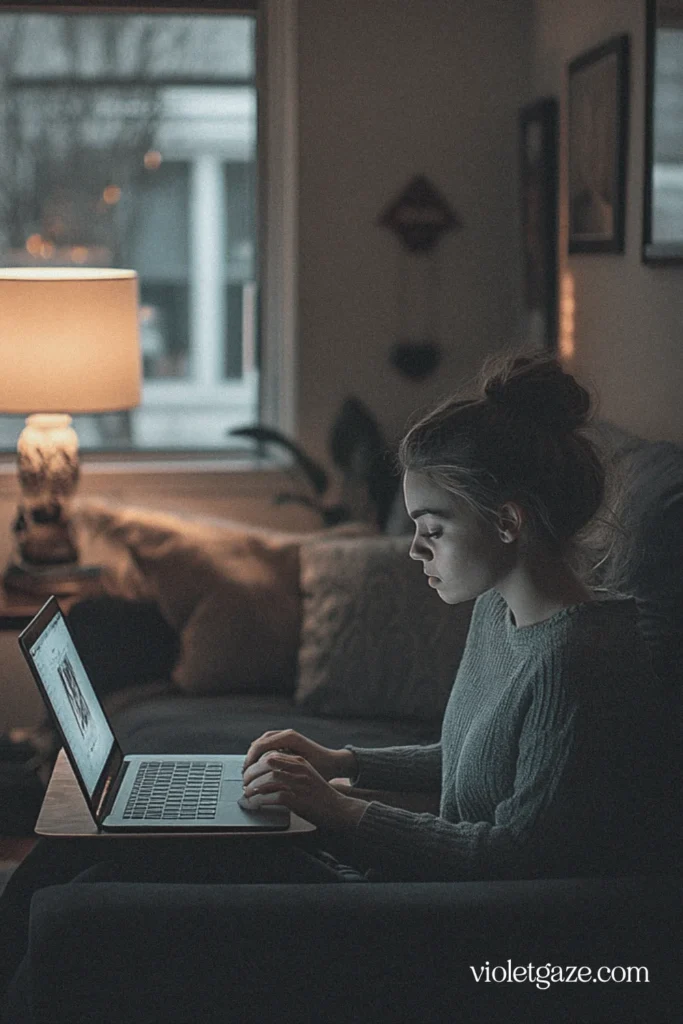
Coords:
pixel 65 814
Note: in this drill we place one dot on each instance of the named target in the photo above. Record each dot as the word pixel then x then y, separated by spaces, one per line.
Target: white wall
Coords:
pixel 629 316
pixel 389 89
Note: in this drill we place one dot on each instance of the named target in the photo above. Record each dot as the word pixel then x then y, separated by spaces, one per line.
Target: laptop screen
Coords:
pixel 73 700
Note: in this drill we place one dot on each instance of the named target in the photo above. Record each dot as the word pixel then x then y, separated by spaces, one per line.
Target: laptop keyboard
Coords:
pixel 175 791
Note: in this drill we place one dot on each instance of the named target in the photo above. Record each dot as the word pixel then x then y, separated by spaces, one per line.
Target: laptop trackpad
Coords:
pixel 275 814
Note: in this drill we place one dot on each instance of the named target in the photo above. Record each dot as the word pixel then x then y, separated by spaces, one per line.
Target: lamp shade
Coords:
pixel 69 340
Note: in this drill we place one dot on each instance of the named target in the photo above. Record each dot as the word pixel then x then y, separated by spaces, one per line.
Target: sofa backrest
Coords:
pixel 646 558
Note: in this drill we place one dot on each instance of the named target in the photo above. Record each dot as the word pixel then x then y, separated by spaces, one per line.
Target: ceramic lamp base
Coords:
pixel 47 461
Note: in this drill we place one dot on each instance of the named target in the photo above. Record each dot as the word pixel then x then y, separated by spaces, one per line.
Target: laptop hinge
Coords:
pixel 110 791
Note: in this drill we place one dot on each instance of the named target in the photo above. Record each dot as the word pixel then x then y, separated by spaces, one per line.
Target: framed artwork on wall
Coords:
pixel 663 177
pixel 538 135
pixel 597 140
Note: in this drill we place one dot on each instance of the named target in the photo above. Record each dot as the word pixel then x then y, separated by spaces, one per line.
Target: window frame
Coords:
pixel 277 128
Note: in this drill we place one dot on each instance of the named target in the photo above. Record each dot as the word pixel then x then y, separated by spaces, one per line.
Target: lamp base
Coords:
pixel 44 580
pixel 46 559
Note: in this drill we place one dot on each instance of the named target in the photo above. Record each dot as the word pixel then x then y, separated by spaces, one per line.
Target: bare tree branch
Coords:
pixel 62 145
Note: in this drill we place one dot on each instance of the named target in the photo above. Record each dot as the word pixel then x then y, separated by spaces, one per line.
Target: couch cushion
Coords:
pixel 174 724
pixel 122 643
pixel 369 954
pixel 375 638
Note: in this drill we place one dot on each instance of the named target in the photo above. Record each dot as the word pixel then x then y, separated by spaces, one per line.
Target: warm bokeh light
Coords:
pixel 152 159
pixel 33 244
pixel 47 250
pixel 111 194
pixel 567 340
pixel 78 254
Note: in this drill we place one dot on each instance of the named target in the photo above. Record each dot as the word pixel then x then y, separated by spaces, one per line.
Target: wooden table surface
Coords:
pixel 17 608
pixel 65 813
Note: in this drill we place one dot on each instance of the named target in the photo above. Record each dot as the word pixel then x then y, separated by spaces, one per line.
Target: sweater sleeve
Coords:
pixel 412 769
pixel 540 812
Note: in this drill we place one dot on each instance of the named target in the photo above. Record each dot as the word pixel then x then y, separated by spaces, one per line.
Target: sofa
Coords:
pixel 353 648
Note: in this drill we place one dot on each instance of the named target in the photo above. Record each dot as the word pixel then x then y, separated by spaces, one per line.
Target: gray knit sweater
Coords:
pixel 552 757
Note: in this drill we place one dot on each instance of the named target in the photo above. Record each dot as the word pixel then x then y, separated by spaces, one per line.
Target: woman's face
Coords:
pixel 462 555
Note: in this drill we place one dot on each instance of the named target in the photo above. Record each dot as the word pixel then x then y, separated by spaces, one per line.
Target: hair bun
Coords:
pixel 538 388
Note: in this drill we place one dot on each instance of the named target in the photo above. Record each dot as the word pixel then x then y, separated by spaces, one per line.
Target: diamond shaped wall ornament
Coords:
pixel 420 215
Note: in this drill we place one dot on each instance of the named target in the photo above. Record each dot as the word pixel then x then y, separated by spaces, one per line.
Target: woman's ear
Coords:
pixel 509 521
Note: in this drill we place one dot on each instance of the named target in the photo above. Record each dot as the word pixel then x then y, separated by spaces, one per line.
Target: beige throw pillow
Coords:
pixel 229 589
pixel 376 641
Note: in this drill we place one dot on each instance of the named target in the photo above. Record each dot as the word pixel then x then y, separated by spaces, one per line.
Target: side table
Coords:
pixel 17 609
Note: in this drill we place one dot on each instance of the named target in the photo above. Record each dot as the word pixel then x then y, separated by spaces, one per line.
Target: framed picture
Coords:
pixel 539 176
pixel 598 139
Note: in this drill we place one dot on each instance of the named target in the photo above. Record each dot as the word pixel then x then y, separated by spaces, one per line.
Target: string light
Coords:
pixel 567 341
pixel 33 244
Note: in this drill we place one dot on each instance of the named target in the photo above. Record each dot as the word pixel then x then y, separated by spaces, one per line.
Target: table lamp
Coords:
pixel 69 344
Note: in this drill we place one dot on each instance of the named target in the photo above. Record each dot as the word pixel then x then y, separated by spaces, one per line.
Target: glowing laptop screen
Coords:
pixel 73 700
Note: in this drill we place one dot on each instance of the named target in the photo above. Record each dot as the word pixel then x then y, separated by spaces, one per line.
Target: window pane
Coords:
pixel 130 141
pixel 667 199
pixel 240 291
pixel 164 329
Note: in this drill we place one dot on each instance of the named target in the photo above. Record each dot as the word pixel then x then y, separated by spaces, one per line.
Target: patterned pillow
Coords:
pixel 376 641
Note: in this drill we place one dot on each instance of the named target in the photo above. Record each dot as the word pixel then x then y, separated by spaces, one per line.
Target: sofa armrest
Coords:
pixel 382 952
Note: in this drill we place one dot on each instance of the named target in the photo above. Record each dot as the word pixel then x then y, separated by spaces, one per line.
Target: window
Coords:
pixel 667 170
pixel 132 140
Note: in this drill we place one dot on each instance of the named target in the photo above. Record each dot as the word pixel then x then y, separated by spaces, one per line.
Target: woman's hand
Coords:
pixel 328 763
pixel 290 780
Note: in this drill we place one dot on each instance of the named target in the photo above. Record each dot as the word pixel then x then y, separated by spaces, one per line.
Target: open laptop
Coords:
pixel 136 792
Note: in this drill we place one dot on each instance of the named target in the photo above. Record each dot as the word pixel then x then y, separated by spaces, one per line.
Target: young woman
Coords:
pixel 553 759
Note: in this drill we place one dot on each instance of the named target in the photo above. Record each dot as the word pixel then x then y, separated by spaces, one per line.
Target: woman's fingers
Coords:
pixel 274 739
pixel 272 767
pixel 268 784
pixel 295 783
pixel 275 793
pixel 272 786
